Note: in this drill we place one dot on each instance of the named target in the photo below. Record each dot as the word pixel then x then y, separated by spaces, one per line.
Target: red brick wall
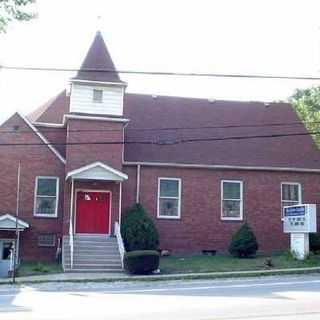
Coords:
pixel 94 131
pixel 35 161
pixel 200 226
pixel 56 136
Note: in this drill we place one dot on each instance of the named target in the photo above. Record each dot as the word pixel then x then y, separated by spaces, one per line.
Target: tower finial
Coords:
pixel 99 24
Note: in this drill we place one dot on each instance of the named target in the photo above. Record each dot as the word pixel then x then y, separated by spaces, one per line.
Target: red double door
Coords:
pixel 92 212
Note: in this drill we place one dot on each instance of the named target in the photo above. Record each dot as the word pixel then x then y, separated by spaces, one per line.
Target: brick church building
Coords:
pixel 199 167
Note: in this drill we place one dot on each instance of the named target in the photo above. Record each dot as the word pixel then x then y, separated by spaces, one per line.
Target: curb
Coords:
pixel 172 277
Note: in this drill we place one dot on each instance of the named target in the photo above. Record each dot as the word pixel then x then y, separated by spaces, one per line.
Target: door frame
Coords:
pixel 75 207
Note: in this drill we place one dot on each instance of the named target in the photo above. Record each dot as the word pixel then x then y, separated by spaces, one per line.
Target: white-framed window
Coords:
pixel 290 194
pixel 46 240
pixel 231 200
pixel 46 197
pixel 97 95
pixel 169 198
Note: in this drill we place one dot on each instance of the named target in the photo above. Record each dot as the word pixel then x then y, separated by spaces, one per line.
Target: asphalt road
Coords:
pixel 285 298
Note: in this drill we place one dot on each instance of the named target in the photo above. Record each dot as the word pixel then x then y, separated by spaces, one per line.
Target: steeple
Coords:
pixel 98 58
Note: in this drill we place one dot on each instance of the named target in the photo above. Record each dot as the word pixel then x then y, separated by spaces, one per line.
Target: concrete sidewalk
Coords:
pixel 112 277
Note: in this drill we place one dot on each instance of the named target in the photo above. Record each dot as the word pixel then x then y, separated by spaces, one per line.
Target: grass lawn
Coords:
pixel 203 263
pixel 38 268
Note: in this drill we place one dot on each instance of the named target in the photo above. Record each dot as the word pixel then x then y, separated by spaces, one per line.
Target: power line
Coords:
pixel 166 142
pixel 275 124
pixel 164 73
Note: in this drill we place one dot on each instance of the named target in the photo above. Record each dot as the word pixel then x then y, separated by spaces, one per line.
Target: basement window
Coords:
pixel 169 198
pixel 46 197
pixel 97 96
pixel 46 240
pixel 231 200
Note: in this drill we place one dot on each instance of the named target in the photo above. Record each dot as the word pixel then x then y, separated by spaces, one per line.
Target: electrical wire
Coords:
pixel 164 73
pixel 276 124
pixel 165 142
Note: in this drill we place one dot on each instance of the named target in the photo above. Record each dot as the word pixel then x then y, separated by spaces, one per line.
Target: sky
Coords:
pixel 223 36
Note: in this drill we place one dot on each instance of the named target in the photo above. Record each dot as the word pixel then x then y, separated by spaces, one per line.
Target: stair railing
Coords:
pixel 71 243
pixel 117 232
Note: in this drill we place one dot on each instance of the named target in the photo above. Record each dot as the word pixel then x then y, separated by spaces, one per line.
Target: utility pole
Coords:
pixel 17 230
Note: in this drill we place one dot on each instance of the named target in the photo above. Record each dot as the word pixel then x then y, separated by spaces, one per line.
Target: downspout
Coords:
pixel 138 184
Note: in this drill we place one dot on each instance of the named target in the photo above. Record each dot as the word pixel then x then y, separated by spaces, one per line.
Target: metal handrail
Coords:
pixel 71 242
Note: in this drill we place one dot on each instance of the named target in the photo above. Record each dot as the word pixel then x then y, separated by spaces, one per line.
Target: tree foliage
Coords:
pixel 243 243
pixel 14 10
pixel 138 230
pixel 306 103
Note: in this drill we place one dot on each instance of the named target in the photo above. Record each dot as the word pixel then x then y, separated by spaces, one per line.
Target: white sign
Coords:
pixel 300 218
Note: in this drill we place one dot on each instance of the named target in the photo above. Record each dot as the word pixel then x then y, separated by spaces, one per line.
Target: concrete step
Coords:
pixel 92 242
pixel 104 239
pixel 94 270
pixel 90 263
pixel 90 266
pixel 92 253
pixel 95 250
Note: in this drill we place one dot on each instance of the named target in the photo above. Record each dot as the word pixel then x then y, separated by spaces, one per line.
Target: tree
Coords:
pixel 306 103
pixel 14 10
pixel 243 243
pixel 138 230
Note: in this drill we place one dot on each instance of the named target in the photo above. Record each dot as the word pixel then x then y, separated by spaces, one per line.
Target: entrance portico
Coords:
pixel 8 226
pixel 95 191
pixel 95 208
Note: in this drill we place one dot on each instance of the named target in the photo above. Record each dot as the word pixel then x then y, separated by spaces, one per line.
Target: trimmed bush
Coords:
pixel 243 243
pixel 141 261
pixel 138 230
pixel 314 242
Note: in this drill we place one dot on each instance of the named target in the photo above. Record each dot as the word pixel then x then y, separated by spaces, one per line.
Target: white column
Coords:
pixel 120 202
pixel 71 203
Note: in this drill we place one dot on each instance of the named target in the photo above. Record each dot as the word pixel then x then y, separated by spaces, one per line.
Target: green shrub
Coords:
pixel 39 267
pixel 243 243
pixel 138 230
pixel 314 241
pixel 141 261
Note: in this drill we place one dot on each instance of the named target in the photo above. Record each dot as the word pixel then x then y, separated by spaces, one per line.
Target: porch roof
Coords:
pixel 8 222
pixel 97 171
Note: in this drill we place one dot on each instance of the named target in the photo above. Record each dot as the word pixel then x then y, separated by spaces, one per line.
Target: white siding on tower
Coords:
pixel 81 100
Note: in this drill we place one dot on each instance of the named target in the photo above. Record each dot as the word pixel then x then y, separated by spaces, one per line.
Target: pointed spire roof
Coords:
pixel 98 58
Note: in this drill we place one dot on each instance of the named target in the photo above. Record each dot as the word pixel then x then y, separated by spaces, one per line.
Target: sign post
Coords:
pixel 299 221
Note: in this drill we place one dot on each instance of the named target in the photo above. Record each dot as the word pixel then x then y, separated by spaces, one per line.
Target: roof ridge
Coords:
pixel 37 113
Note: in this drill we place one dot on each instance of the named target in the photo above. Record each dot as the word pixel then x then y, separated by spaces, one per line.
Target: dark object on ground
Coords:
pixel 209 252
pixel 269 263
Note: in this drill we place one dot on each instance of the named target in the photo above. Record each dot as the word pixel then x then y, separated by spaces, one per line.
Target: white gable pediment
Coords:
pixel 8 222
pixel 97 171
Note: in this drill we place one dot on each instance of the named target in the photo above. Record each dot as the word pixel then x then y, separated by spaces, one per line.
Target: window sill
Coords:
pixel 46 216
pixel 231 219
pixel 168 218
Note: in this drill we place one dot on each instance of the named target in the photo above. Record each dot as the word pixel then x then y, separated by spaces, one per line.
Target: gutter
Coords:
pixel 219 167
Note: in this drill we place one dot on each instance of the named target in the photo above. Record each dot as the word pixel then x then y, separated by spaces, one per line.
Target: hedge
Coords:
pixel 141 261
